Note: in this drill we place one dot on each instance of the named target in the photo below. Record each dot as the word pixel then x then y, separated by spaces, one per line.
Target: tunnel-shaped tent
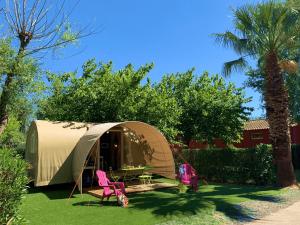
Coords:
pixel 58 150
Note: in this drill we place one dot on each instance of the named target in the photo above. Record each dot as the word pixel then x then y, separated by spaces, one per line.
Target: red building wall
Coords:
pixel 251 138
pixel 295 134
pixel 248 141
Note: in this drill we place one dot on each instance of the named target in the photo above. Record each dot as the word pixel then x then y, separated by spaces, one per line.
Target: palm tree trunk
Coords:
pixel 276 99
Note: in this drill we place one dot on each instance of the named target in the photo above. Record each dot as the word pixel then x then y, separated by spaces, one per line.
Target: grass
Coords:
pixel 212 204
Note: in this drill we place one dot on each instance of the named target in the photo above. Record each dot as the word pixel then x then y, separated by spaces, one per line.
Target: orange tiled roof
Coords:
pixel 258 125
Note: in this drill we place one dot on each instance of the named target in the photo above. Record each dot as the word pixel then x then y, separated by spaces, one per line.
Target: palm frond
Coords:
pixel 243 19
pixel 230 40
pixel 234 65
pixel 295 4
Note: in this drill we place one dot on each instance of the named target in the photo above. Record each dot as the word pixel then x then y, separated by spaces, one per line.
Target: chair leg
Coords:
pixel 122 187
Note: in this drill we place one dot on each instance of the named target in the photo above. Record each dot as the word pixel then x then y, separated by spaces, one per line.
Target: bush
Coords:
pixel 296 156
pixel 232 165
pixel 13 180
pixel 12 137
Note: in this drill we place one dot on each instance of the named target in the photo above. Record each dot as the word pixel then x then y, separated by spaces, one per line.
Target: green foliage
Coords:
pixel 107 96
pixel 270 26
pixel 262 28
pixel 293 85
pixel 27 84
pixel 13 180
pixel 231 165
pixel 256 81
pixel 201 107
pixel 296 156
pixel 210 108
pixel 12 137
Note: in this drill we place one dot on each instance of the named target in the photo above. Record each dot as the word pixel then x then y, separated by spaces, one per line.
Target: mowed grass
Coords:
pixel 210 205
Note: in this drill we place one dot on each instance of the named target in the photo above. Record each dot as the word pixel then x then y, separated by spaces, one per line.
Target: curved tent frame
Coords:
pixel 58 150
pixel 159 155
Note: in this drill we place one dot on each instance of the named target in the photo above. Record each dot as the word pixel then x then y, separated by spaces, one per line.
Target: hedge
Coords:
pixel 13 180
pixel 254 165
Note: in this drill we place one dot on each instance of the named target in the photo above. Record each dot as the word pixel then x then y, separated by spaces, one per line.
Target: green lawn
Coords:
pixel 50 205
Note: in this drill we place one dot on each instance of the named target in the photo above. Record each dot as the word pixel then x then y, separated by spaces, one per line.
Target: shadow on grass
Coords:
pixel 53 192
pixel 265 198
pixel 193 203
pixel 96 203
pixel 168 202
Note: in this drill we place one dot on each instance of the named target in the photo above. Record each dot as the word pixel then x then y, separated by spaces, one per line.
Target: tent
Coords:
pixel 58 151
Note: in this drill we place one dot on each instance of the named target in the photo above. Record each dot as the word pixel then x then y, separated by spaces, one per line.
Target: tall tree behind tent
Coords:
pixel 106 95
pixel 211 109
pixel 202 107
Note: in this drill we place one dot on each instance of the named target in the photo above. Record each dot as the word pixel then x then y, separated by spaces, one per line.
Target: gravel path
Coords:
pixel 258 209
pixel 286 216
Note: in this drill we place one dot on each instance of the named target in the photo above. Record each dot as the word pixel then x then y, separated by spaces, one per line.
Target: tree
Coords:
pixel 25 87
pixel 293 84
pixel 35 29
pixel 108 96
pixel 256 81
pixel 267 32
pixel 12 138
pixel 203 108
pixel 211 109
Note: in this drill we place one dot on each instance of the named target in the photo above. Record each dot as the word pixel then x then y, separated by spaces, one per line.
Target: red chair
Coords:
pixel 109 188
pixel 187 175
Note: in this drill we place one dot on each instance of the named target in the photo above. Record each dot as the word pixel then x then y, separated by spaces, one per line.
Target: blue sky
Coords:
pixel 175 35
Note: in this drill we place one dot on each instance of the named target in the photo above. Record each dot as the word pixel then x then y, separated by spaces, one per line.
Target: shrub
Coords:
pixel 296 156
pixel 262 166
pixel 232 165
pixel 13 180
pixel 12 137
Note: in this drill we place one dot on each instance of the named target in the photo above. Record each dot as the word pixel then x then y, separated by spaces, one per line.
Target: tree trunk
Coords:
pixel 4 99
pixel 7 89
pixel 276 100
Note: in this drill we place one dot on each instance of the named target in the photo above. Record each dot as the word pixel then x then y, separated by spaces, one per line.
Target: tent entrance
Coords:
pixel 106 154
pixel 111 150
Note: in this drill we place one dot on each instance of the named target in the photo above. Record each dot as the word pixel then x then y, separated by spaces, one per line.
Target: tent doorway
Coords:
pixel 110 150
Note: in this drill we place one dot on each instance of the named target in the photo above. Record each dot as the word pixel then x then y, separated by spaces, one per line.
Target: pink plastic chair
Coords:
pixel 109 188
pixel 188 176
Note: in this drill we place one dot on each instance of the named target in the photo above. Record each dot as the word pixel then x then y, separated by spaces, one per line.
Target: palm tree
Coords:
pixel 266 32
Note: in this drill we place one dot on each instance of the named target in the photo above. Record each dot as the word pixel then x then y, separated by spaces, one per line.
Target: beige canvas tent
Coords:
pixel 59 152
